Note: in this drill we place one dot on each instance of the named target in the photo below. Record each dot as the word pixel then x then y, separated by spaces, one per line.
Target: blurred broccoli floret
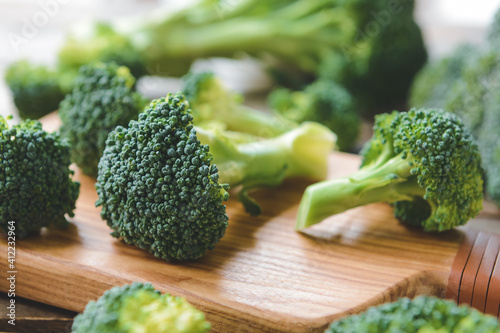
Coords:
pixel 422 161
pixel 424 314
pixel 159 186
pixel 102 44
pixel 139 308
pixel 36 189
pixel 36 89
pixel 324 102
pixel 102 98
pixel 214 106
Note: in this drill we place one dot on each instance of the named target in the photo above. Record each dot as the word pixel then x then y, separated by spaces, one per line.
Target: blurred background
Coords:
pixel 445 23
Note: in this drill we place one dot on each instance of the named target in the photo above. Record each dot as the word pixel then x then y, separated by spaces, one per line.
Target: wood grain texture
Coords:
pixel 262 277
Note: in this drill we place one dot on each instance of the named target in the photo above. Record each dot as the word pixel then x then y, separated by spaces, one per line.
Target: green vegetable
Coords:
pixel 423 314
pixel 36 189
pixel 159 186
pixel 425 162
pixel 214 106
pixel 36 89
pixel 139 308
pixel 102 98
pixel 324 102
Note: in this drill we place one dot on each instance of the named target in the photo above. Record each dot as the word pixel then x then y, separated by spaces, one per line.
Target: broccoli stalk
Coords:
pixel 301 152
pixel 425 162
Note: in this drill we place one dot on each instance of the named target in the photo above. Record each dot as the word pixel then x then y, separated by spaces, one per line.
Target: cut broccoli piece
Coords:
pixel 214 106
pixel 36 89
pixel 424 314
pixel 159 189
pixel 36 189
pixel 102 44
pixel 138 308
pixel 324 102
pixel 413 156
pixel 102 98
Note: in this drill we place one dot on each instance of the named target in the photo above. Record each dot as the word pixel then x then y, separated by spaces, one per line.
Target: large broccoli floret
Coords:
pixel 421 160
pixel 424 314
pixel 36 189
pixel 102 98
pixel 157 187
pixel 324 102
pixel 36 89
pixel 214 106
pixel 139 308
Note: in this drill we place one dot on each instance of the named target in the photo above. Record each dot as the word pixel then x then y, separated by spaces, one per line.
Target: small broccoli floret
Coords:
pixel 324 102
pixel 36 89
pixel 157 187
pixel 36 189
pixel 423 314
pixel 215 106
pixel 102 98
pixel 415 156
pixel 138 308
pixel 102 44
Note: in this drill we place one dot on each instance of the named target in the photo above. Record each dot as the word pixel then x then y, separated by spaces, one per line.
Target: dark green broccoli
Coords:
pixel 423 314
pixel 160 191
pixel 214 106
pixel 425 162
pixel 36 89
pixel 138 307
pixel 324 102
pixel 102 98
pixel 36 189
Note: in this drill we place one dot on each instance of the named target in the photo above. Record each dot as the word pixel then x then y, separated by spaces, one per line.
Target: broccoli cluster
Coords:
pixel 157 187
pixel 425 162
pixel 36 89
pixel 324 102
pixel 102 98
pixel 36 189
pixel 138 307
pixel 423 314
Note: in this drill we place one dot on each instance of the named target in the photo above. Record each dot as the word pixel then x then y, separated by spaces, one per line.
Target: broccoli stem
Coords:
pixel 388 182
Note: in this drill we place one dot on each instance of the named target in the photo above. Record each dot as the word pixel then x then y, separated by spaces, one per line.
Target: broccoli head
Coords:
pixel 214 106
pixel 36 89
pixel 425 162
pixel 157 187
pixel 423 314
pixel 36 189
pixel 102 98
pixel 324 102
pixel 138 307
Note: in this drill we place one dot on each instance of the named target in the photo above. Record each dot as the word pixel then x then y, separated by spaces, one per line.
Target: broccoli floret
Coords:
pixel 423 314
pixel 214 106
pixel 434 82
pixel 138 307
pixel 160 191
pixel 102 44
pixel 102 98
pixel 416 156
pixel 36 189
pixel 36 89
pixel 324 102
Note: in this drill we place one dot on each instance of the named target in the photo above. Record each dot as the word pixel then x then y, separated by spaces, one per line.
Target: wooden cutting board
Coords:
pixel 262 277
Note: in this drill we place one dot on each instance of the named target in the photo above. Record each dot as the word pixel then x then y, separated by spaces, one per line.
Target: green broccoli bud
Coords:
pixel 102 98
pixel 137 308
pixel 414 157
pixel 324 102
pixel 36 189
pixel 423 314
pixel 157 187
pixel 36 89
pixel 214 106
